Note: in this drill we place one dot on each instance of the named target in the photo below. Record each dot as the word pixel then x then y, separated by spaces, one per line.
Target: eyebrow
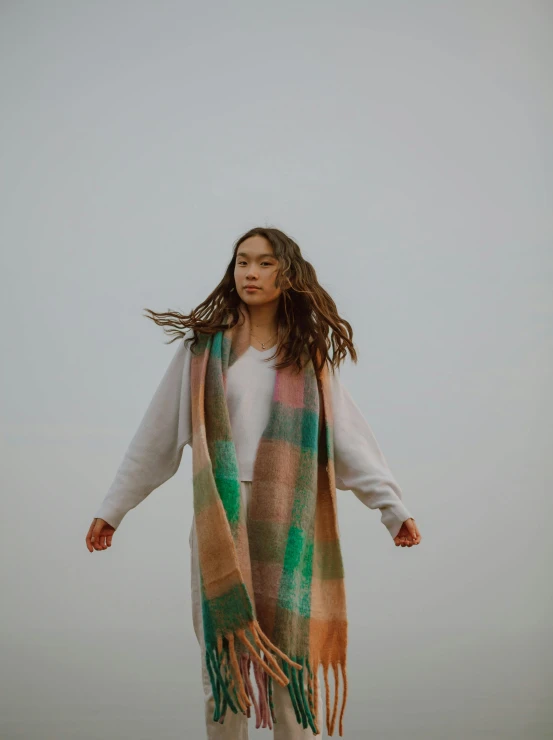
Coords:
pixel 245 254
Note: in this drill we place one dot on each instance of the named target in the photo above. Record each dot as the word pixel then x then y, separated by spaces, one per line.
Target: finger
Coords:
pixel 96 535
pixel 414 537
pixel 89 535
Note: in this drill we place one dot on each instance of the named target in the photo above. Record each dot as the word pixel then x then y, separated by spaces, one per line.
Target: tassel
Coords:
pixel 266 678
pixel 327 696
pixel 297 691
pixel 245 663
pixel 214 685
pixel 226 672
pixel 242 696
pixel 262 691
pixel 300 702
pixel 218 685
pixel 345 682
pixel 310 697
pixel 271 700
pixel 309 714
pixel 316 685
pixel 293 697
pixel 335 706
pixel 331 720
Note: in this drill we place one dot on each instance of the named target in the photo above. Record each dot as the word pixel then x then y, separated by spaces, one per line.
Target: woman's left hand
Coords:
pixel 408 535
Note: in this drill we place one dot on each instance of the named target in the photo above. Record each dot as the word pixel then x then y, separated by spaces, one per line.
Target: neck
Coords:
pixel 263 319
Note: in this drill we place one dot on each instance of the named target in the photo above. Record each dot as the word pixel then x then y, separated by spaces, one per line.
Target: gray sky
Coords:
pixel 407 148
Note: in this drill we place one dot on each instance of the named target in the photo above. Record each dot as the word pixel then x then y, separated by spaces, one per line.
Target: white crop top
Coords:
pixel 250 383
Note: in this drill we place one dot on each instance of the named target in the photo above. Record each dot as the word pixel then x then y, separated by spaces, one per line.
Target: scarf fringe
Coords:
pixel 232 686
pixel 230 679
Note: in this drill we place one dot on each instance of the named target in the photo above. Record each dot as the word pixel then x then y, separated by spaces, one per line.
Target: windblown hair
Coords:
pixel 307 316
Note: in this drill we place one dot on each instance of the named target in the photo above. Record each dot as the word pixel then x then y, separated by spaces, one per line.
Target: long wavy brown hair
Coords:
pixel 307 316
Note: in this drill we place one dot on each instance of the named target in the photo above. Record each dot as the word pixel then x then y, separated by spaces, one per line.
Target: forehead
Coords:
pixel 255 254
pixel 255 246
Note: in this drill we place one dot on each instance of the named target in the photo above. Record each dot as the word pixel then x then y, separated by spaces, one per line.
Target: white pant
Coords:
pixel 235 726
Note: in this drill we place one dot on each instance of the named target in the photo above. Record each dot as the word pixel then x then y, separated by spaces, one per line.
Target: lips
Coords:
pixel 252 287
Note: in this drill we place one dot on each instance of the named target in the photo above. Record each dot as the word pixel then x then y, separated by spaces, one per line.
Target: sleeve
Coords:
pixel 360 465
pixel 154 453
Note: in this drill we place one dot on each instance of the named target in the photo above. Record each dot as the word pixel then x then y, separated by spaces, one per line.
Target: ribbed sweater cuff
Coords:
pixel 393 517
pixel 111 514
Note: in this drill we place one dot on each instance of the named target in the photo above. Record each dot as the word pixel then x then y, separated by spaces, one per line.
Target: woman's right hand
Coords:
pixel 99 535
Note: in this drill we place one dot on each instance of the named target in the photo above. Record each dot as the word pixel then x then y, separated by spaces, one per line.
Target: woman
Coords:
pixel 253 389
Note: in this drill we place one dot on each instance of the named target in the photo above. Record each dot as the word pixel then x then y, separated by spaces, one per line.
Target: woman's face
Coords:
pixel 257 267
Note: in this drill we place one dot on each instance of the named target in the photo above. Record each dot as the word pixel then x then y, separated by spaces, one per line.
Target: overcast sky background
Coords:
pixel 407 148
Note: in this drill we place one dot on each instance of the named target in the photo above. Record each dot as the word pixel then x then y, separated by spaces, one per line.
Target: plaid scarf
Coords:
pixel 272 578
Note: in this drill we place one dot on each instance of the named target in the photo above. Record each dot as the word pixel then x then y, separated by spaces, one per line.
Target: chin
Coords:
pixel 249 296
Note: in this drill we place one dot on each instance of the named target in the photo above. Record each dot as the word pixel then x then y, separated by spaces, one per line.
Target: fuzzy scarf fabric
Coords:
pixel 272 578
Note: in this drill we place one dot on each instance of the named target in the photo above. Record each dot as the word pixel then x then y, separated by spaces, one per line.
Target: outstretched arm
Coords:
pixel 360 465
pixel 154 453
